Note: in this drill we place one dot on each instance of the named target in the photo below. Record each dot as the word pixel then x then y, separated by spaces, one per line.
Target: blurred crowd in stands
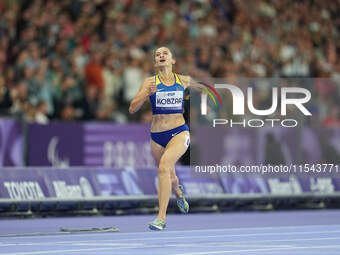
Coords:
pixel 85 60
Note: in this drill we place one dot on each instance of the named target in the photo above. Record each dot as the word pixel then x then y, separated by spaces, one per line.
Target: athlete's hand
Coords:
pixel 152 88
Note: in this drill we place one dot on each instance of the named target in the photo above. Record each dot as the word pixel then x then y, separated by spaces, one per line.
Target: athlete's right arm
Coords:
pixel 147 88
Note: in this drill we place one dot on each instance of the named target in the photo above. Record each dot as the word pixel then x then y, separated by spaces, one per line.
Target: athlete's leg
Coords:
pixel 173 151
pixel 157 152
pixel 175 183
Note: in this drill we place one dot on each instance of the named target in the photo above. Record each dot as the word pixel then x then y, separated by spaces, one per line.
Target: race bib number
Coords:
pixel 170 99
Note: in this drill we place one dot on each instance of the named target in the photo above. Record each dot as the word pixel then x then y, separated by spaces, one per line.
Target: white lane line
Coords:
pixel 228 235
pixel 193 245
pixel 255 250
pixel 103 249
pixel 252 243
pixel 60 234
pixel 81 250
pixel 192 253
pixel 100 242
pixel 60 251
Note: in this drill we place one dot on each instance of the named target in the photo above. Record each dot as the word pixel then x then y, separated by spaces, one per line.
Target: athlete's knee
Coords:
pixel 164 167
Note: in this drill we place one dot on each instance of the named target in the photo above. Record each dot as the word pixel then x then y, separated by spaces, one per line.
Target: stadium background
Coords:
pixel 68 70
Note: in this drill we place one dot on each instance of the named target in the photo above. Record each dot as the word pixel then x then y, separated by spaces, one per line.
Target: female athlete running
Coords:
pixel 169 133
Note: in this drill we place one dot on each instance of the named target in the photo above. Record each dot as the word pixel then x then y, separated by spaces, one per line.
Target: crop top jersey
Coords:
pixel 167 99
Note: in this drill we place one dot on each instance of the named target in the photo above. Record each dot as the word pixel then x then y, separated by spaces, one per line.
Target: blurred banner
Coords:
pixel 110 145
pixel 77 183
pixel 266 146
pixel 56 144
pixel 11 143
pixel 89 144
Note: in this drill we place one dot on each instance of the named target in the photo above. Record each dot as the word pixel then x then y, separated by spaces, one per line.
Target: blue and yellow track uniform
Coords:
pixel 167 100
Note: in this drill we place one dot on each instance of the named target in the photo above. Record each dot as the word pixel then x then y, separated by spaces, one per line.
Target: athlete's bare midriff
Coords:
pixel 164 122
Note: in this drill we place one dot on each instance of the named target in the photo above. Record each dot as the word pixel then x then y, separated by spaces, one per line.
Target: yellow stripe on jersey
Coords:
pixel 178 80
pixel 157 80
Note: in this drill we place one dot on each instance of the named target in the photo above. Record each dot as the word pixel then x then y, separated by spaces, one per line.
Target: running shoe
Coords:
pixel 157 224
pixel 181 202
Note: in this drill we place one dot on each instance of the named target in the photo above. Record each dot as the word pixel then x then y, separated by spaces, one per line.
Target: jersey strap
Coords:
pixel 178 80
pixel 157 80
